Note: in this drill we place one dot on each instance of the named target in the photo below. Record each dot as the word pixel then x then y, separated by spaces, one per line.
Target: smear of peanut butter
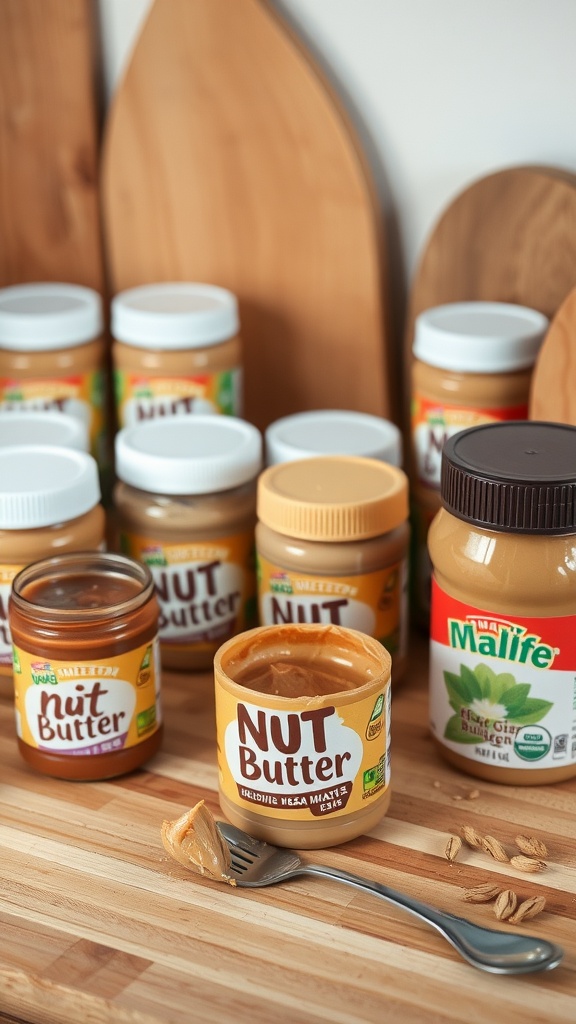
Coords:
pixel 194 841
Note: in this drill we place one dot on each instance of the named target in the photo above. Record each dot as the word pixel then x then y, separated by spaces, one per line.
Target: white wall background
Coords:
pixel 445 91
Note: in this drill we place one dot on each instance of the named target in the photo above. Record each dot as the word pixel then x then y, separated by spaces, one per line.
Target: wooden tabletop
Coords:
pixel 97 926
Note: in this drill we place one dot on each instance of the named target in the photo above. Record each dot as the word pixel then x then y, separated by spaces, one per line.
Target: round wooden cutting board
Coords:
pixel 553 394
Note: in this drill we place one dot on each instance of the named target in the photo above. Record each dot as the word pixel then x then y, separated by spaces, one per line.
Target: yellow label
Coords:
pixel 141 397
pixel 374 603
pixel 206 589
pixel 80 395
pixel 87 707
pixel 317 760
pixel 7 574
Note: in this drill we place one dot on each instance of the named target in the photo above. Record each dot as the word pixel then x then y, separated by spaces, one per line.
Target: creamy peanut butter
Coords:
pixel 194 841
pixel 503 627
pixel 303 721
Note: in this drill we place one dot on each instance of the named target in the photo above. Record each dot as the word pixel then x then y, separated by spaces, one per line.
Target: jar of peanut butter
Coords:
pixel 472 364
pixel 177 350
pixel 186 507
pixel 503 630
pixel 49 504
pixel 331 547
pixel 53 354
pixel 86 666
pixel 332 432
pixel 303 731
pixel 39 427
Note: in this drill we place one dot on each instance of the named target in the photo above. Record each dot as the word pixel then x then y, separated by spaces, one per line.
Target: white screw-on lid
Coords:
pixel 43 317
pixel 42 485
pixel 332 432
pixel 43 427
pixel 189 454
pixel 174 316
pixel 479 337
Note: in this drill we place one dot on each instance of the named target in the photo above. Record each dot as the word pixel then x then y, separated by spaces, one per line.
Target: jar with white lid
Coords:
pixel 331 547
pixel 176 350
pixel 53 355
pixel 472 364
pixel 37 427
pixel 332 432
pixel 185 505
pixel 49 505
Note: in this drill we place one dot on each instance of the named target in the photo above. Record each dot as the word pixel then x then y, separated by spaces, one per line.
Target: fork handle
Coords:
pixel 499 952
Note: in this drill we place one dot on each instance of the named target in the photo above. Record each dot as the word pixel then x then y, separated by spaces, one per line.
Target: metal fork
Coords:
pixel 255 864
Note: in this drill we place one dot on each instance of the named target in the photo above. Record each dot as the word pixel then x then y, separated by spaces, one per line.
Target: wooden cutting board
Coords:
pixel 228 160
pixel 96 925
pixel 509 237
pixel 49 217
pixel 553 394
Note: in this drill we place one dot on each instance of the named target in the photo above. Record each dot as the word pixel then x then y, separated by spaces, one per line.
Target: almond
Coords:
pixel 528 864
pixel 529 908
pixel 495 849
pixel 453 847
pixel 482 893
pixel 471 837
pixel 531 846
pixel 505 905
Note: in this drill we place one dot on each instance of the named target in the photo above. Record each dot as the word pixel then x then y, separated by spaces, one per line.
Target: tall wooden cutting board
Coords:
pixel 49 217
pixel 509 237
pixel 228 160
pixel 553 395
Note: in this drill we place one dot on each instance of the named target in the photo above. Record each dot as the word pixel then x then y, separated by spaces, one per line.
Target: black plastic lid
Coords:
pixel 515 476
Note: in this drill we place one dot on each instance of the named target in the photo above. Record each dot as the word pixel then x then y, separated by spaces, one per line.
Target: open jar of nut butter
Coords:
pixel 303 722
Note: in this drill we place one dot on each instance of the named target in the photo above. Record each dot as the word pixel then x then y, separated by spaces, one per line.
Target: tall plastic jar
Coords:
pixel 49 504
pixel 331 545
pixel 332 432
pixel 53 355
pixel 503 631
pixel 472 364
pixel 177 350
pixel 185 505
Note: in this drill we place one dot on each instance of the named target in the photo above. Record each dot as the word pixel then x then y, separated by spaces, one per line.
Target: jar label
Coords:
pixel 434 422
pixel 7 574
pixel 317 760
pixel 87 707
pixel 139 397
pixel 81 396
pixel 502 687
pixel 374 603
pixel 206 590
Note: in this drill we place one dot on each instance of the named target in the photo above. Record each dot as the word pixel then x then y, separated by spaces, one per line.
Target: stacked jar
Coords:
pixel 472 364
pixel 332 432
pixel 177 350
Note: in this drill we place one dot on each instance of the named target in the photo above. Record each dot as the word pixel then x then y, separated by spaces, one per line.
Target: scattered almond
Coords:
pixel 529 908
pixel 471 837
pixel 457 796
pixel 495 849
pixel 528 864
pixel 436 784
pixel 473 794
pixel 453 847
pixel 505 905
pixel 482 893
pixel 531 846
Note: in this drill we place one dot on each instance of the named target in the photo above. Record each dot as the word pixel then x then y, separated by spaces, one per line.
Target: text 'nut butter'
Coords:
pixel 331 545
pixel 303 721
pixel 503 632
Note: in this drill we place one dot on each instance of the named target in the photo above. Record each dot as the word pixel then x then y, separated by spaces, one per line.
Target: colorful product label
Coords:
pixel 143 398
pixel 206 590
pixel 310 762
pixel 87 707
pixel 81 395
pixel 433 423
pixel 375 603
pixel 7 574
pixel 502 688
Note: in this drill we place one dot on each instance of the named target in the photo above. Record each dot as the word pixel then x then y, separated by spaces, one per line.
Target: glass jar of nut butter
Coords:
pixel 303 730
pixel 331 547
pixel 472 364
pixel 49 504
pixel 176 350
pixel 503 627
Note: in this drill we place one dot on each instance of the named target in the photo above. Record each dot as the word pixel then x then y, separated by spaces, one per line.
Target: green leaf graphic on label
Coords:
pixel 480 697
pixel 454 732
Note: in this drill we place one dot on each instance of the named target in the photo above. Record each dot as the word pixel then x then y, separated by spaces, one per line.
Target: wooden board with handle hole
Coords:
pixel 229 160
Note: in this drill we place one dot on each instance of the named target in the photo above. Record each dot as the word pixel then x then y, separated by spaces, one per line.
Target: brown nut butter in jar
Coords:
pixel 86 667
pixel 331 547
pixel 303 727
pixel 177 349
pixel 503 630
pixel 49 504
pixel 186 506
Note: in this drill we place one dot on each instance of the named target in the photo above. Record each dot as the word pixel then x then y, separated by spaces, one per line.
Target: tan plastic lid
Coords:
pixel 333 498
